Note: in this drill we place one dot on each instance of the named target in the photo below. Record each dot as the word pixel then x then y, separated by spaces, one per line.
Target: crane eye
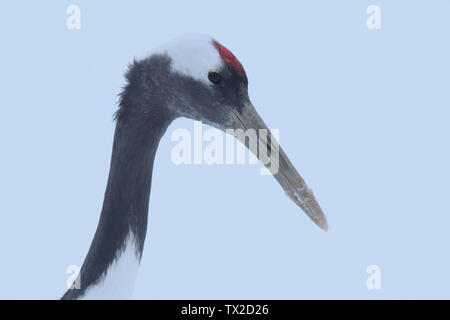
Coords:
pixel 214 77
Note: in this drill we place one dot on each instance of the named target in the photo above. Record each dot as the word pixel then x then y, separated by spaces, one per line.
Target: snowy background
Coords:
pixel 363 114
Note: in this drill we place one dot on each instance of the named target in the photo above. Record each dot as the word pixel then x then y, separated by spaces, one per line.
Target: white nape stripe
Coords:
pixel 118 282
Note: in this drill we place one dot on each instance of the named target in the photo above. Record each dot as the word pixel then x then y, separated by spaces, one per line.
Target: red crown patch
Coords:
pixel 230 59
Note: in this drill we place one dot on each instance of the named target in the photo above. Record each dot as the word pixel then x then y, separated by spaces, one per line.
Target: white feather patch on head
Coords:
pixel 193 55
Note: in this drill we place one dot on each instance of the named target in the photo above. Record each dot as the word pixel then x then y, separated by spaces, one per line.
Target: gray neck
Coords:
pixel 125 206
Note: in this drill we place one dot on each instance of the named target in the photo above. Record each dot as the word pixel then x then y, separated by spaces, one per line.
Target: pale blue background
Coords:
pixel 364 115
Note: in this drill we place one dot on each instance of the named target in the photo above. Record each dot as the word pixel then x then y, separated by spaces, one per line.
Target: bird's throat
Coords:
pixel 111 264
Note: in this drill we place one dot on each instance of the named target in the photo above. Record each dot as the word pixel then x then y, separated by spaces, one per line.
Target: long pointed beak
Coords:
pixel 280 166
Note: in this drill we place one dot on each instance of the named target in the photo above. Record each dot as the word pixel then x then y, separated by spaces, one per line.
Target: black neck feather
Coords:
pixel 125 206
